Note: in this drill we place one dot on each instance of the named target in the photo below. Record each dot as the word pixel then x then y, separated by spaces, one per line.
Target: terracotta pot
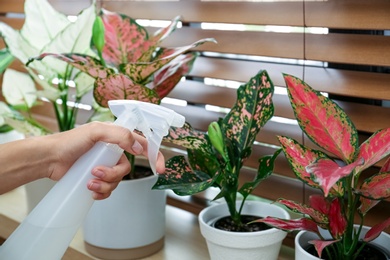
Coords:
pixel 130 224
pixel 303 237
pixel 227 245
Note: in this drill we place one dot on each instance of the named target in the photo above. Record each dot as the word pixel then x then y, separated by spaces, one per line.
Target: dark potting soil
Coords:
pixel 227 224
pixel 140 172
pixel 369 252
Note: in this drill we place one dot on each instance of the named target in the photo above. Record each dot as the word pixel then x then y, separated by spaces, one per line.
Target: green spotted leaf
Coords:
pixel 252 110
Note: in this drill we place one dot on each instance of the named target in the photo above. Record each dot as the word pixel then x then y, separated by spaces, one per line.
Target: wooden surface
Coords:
pixel 8 225
pixel 182 241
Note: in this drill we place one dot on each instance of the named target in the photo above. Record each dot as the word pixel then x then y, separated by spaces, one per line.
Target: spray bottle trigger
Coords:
pixel 152 120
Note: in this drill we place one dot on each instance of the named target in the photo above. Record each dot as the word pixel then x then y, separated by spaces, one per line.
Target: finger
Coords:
pixel 100 196
pixel 160 164
pixel 113 174
pixel 102 187
pixel 110 133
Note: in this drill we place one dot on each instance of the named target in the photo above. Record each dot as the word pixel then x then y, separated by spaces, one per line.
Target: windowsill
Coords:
pixel 182 240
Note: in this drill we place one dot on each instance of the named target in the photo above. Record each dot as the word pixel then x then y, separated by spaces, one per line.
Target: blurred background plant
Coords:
pixel 44 30
pixel 109 53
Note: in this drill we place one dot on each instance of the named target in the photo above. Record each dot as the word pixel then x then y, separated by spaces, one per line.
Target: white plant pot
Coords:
pixel 227 245
pixel 9 136
pixel 130 224
pixel 36 190
pixel 303 237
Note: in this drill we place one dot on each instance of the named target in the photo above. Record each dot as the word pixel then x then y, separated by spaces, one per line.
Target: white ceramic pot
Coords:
pixel 36 190
pixel 9 136
pixel 130 224
pixel 303 237
pixel 227 245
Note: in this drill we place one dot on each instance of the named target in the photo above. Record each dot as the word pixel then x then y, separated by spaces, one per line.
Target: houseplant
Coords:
pixel 44 30
pixel 336 170
pixel 130 65
pixel 215 160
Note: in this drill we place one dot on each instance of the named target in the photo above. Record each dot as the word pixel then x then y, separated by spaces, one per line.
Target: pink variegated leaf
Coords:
pixel 316 215
pixel 375 148
pixel 299 157
pixel 290 224
pixel 337 221
pixel 319 202
pixel 169 76
pixel 322 120
pixel 187 137
pixel 377 187
pixel 366 205
pixel 376 230
pixel 124 39
pixel 119 86
pixel 163 33
pixel 141 71
pixel 327 173
pixel 157 38
pixel 319 245
pixel 84 63
pixel 386 166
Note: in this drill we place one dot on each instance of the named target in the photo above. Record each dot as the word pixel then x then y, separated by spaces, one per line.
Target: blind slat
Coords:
pixel 14 6
pixel 341 82
pixel 354 14
pixel 333 47
pixel 200 11
pixel 349 14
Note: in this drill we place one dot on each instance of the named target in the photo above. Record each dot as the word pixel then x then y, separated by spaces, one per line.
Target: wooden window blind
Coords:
pixel 349 60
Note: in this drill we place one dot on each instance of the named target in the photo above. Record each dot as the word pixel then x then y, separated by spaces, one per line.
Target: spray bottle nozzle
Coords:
pixel 152 120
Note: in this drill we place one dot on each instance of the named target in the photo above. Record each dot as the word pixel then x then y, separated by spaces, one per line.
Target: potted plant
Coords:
pixel 44 30
pixel 215 159
pixel 130 64
pixel 336 170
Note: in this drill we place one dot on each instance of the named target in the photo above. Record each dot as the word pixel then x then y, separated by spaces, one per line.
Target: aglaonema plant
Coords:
pixel 44 30
pixel 130 64
pixel 336 170
pixel 215 158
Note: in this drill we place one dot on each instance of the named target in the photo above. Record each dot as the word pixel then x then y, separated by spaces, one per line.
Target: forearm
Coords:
pixel 24 161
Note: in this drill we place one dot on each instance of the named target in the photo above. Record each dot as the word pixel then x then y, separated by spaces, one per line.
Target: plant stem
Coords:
pixel 73 113
pixel 58 115
pixel 230 189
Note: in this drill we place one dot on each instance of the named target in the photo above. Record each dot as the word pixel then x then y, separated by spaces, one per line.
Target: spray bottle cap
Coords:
pixel 152 120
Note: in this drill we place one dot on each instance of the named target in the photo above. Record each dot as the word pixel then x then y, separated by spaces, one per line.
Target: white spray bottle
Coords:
pixel 50 227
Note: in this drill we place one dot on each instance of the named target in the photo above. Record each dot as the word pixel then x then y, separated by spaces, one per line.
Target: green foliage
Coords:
pixel 6 59
pixel 216 158
pixel 45 30
pixel 131 65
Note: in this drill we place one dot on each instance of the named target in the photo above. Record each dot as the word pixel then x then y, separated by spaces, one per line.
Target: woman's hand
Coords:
pixel 51 156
